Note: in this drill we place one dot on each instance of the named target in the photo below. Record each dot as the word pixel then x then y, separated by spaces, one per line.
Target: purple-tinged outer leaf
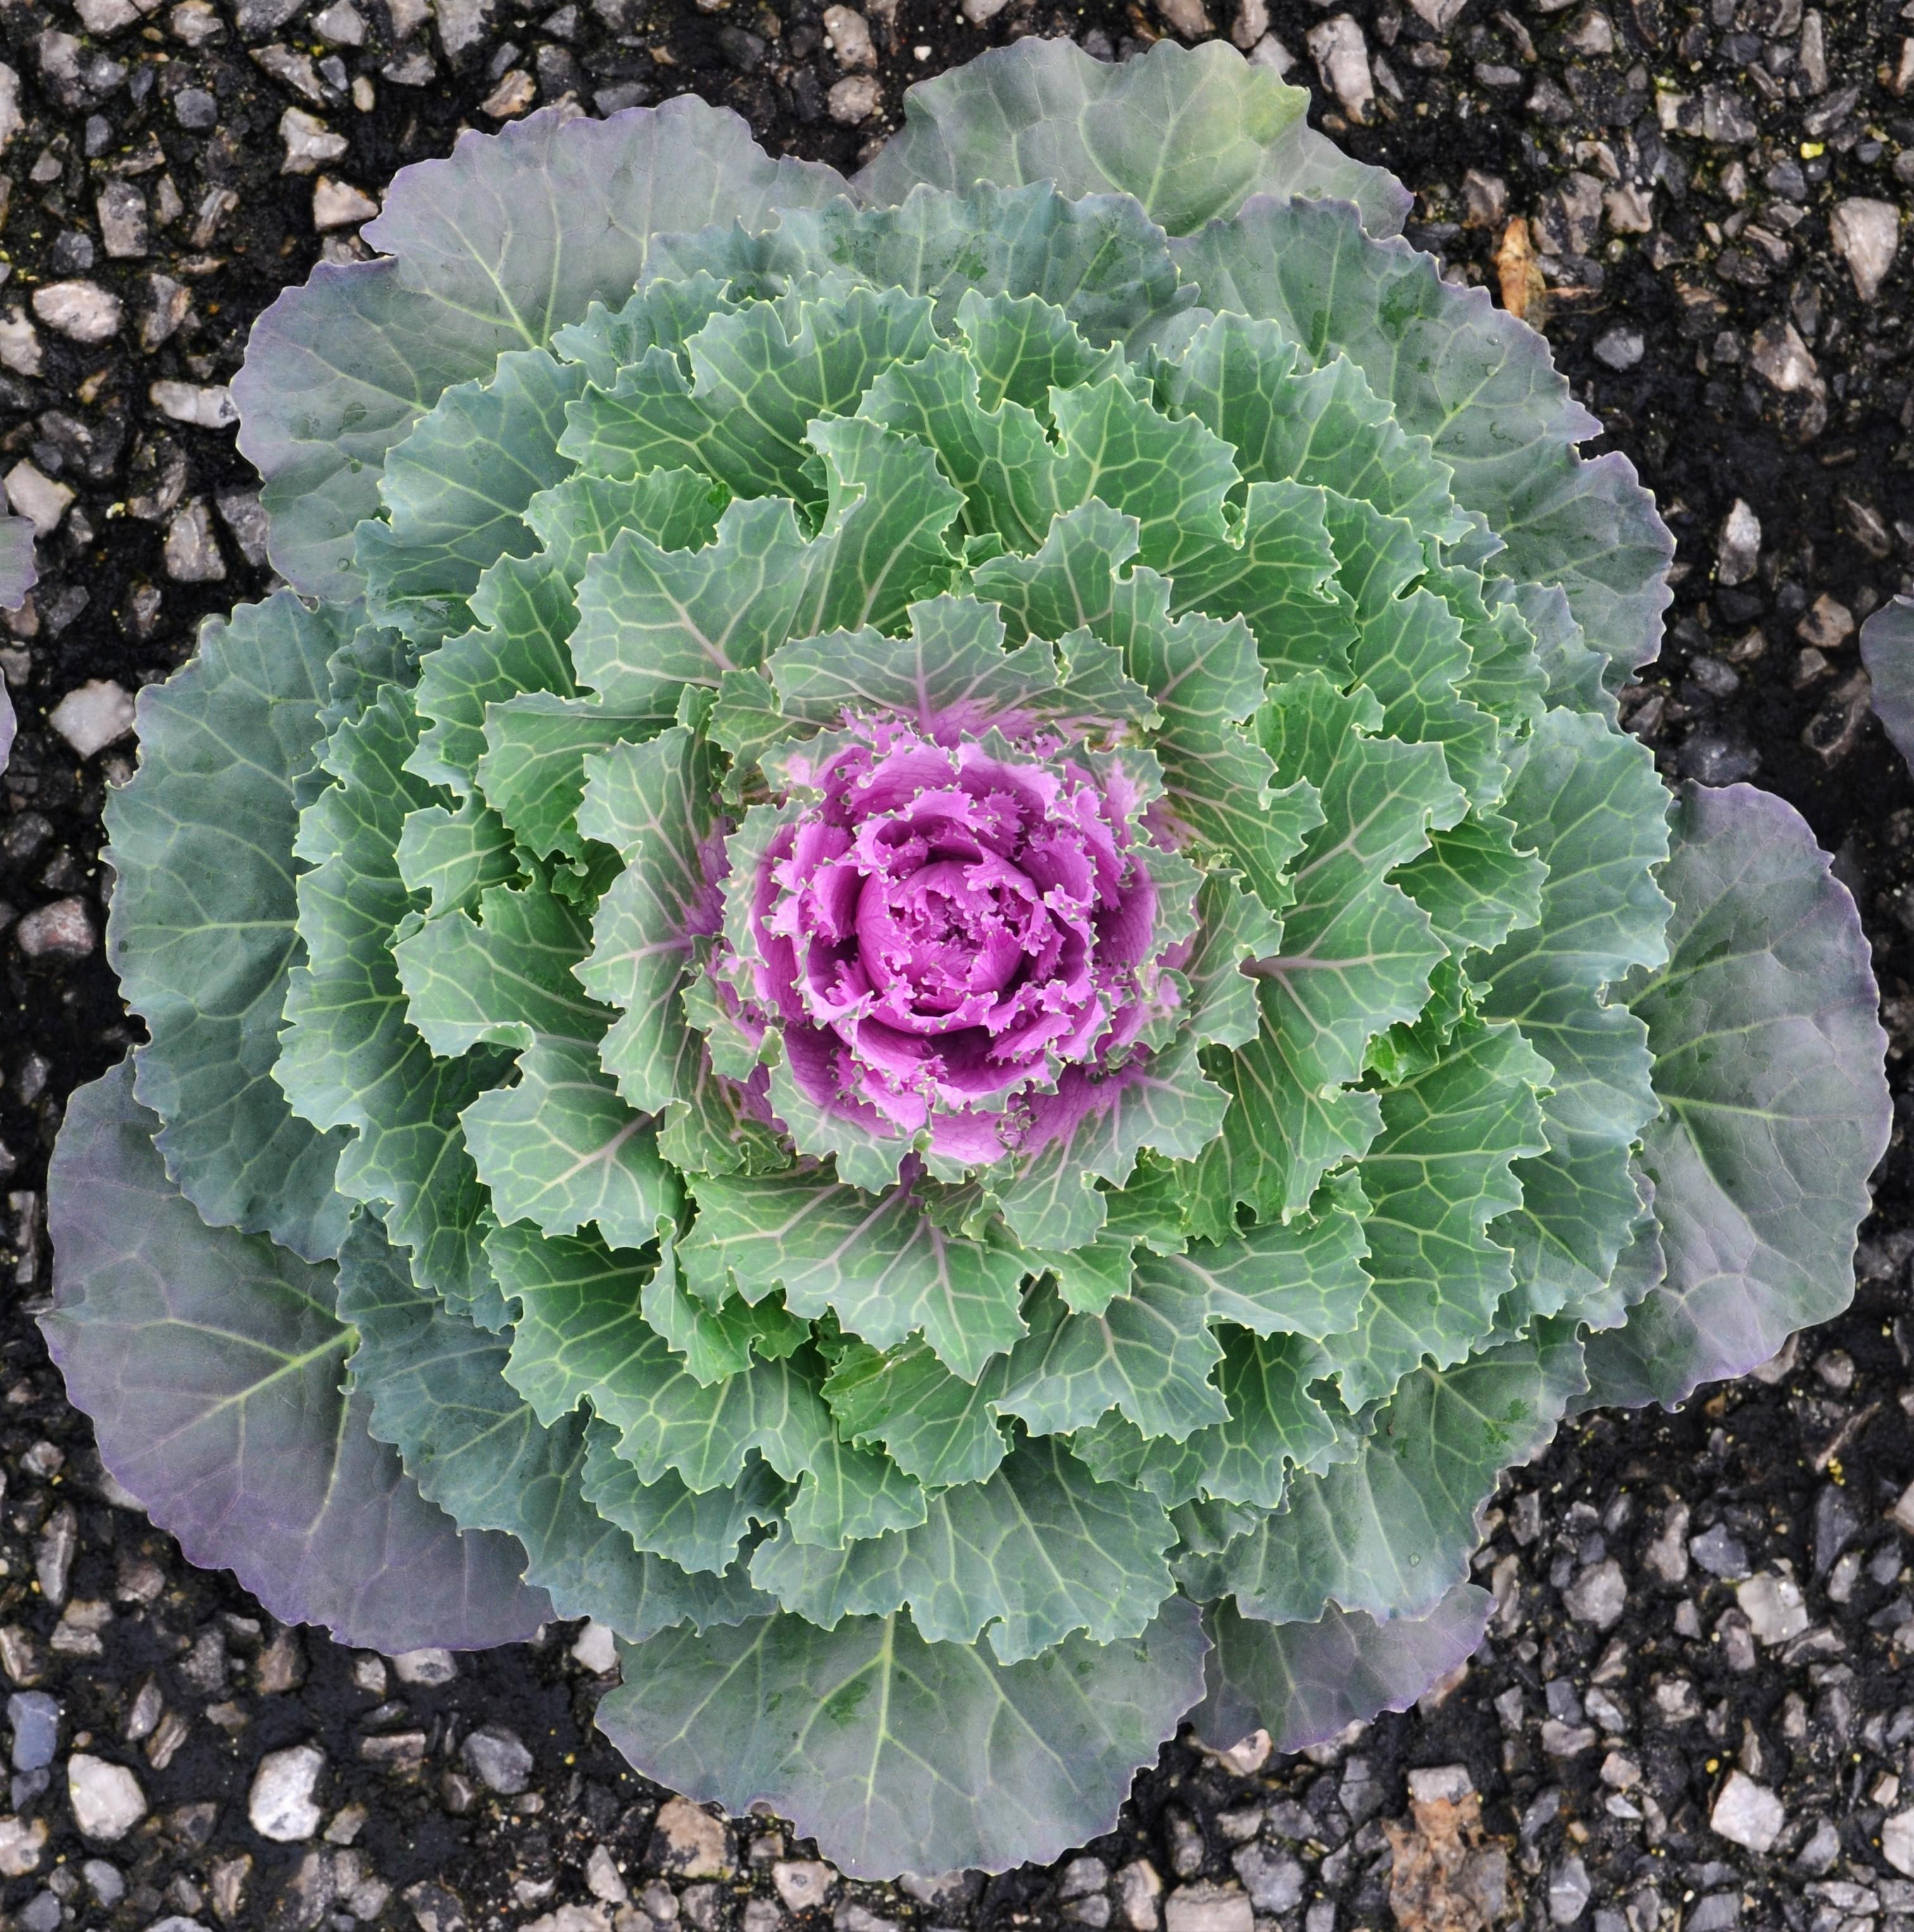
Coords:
pixel 6 727
pixel 511 237
pixel 1303 1682
pixel 1769 1063
pixel 211 1362
pixel 1887 649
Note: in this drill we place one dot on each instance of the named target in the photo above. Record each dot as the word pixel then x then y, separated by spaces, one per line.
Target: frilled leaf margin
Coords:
pixel 923 960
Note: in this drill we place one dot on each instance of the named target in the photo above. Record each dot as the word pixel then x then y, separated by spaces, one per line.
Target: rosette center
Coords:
pixel 942 927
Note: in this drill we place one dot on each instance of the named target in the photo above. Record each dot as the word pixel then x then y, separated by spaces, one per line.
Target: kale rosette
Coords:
pixel 934 972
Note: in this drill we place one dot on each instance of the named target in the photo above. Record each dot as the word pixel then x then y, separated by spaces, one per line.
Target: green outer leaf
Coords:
pixel 439 1394
pixel 1475 884
pixel 717 1342
pixel 1323 427
pixel 504 979
pixel 652 621
pixel 1356 952
pixel 1439 1173
pixel 580 518
pixel 1206 678
pixel 760 375
pixel 1277 573
pixel 580 1335
pixel 523 613
pixel 561 1149
pixel 1193 133
pixel 653 803
pixel 898 1755
pixel 1478 383
pixel 1768 1066
pixel 350 1057
pixel 211 1363
pixel 1300 1277
pixel 1166 1102
pixel 1274 1424
pixel 879 1263
pixel 850 1496
pixel 1281 1133
pixel 201 930
pixel 1356 956
pixel 953 661
pixel 533 772
pixel 455 490
pixel 1303 1682
pixel 665 314
pixel 1040 1549
pixel 451 857
pixel 1590 804
pixel 1149 1354
pixel 696 1531
pixel 494 248
pixel 1069 583
pixel 614 1328
pixel 1389 1532
pixel 1171 474
pixel 706 1435
pixel 1102 261
pixel 935 1425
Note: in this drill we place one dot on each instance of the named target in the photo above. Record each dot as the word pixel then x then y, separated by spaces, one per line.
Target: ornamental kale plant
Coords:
pixel 923 960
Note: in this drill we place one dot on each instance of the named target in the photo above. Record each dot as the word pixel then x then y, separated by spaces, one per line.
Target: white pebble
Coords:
pixel 850 36
pixel 11 119
pixel 430 1666
pixel 854 99
pixel 1186 17
pixel 1599 1595
pixel 342 24
pixel 596 1647
pixel 97 715
pixel 121 208
pixel 106 1799
pixel 19 344
pixel 34 495
pixel 1773 1605
pixel 1739 550
pixel 1866 236
pixel 280 1803
pixel 61 930
pixel 1208 1907
pixel 338 204
pixel 83 311
pixel 309 142
pixel 192 551
pixel 602 1879
pixel 108 16
pixel 1748 1814
pixel 208 406
pixel 1342 58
